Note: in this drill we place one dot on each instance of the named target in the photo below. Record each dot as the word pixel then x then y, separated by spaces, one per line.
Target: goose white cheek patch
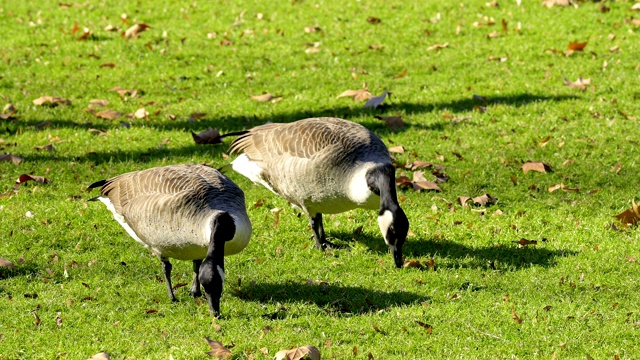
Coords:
pixel 385 220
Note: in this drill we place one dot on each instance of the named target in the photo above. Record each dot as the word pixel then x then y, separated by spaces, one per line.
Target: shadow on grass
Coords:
pixel 235 123
pixel 26 268
pixel 239 122
pixel 331 298
pixel 506 257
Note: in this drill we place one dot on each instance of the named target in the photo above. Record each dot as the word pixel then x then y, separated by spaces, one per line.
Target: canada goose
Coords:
pixel 185 212
pixel 325 166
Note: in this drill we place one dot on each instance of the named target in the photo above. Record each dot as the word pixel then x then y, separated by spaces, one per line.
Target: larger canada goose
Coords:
pixel 185 212
pixel 325 166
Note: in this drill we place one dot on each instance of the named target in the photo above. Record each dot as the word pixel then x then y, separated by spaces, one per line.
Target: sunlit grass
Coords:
pixel 94 289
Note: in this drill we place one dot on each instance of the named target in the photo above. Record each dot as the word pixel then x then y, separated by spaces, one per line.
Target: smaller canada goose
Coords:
pixel 325 166
pixel 185 212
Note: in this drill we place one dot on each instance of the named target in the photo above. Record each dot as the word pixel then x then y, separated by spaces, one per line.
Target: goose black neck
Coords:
pixel 382 182
pixel 223 230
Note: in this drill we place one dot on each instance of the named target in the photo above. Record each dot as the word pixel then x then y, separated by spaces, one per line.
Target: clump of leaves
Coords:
pixel 217 349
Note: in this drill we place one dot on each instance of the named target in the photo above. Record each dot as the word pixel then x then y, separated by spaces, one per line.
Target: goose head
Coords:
pixel 394 226
pixel 393 222
pixel 211 273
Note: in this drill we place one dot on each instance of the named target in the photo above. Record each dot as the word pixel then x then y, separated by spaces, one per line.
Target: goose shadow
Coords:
pixel 488 257
pixel 330 298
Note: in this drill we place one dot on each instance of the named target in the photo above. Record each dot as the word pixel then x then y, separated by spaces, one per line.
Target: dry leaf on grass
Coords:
pixel 98 132
pixel 8 112
pixel 562 187
pixel 577 46
pixel 524 242
pixel 139 114
pixel 98 103
pixel 397 149
pixel 635 7
pixel 217 349
pixel 376 101
pixel 515 317
pixel 9 157
pixel 266 97
pixel 6 263
pixel 100 356
pixel 536 166
pixel 413 263
pixel 25 178
pixel 210 136
pixel 485 199
pixel 358 95
pixel 45 147
pixel 580 84
pixel 373 20
pixel 629 216
pixel 51 101
pixel 311 29
pixel 122 92
pixel 135 31
pixel 308 351
pixel 552 3
pixel 392 121
pixel 438 46
pixel 107 114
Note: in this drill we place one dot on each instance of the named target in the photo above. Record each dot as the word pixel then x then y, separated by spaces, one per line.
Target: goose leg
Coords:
pixel 195 287
pixel 166 269
pixel 318 234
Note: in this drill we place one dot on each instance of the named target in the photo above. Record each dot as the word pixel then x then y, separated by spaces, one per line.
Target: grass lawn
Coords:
pixel 490 98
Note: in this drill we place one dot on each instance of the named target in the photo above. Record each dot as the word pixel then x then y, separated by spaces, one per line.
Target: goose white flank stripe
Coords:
pixel 324 166
pixel 185 212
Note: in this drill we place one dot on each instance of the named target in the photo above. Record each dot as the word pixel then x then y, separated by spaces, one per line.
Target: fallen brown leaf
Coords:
pixel 98 103
pixel 373 20
pixel 552 3
pixel 413 263
pixel 25 178
pixel 135 31
pixel 536 166
pixel 438 46
pixel 462 200
pixel 629 216
pixel 635 7
pixel 45 147
pixel 417 164
pixel 6 263
pixel 100 356
pixel 485 199
pixel 397 149
pixel 210 136
pixel 217 349
pixel 122 92
pixel 299 353
pixel 9 157
pixel 108 114
pixel 51 101
pixel 580 84
pixel 263 98
pixel 515 317
pixel 358 95
pixel 98 132
pixel 392 121
pixel 524 242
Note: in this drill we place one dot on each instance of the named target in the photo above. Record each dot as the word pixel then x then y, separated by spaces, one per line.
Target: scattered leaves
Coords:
pixel 210 136
pixel 51 101
pixel 536 166
pixel 266 97
pixel 485 199
pixel 107 114
pixel 307 351
pixel 217 349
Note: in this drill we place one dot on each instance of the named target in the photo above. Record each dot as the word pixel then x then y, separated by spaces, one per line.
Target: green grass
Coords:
pixel 576 293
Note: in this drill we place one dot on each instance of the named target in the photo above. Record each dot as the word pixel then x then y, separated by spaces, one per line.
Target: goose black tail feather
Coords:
pixel 237 133
pixel 97 184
